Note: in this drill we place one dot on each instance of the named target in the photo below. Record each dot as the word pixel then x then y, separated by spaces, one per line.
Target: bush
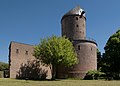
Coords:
pixel 93 75
pixel 4 66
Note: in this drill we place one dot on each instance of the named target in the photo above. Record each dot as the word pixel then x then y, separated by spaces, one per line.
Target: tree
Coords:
pixel 99 59
pixel 3 66
pixel 101 63
pixel 55 51
pixel 93 74
pixel 112 54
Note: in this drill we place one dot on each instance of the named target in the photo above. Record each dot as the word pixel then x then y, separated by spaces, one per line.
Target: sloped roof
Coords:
pixel 76 11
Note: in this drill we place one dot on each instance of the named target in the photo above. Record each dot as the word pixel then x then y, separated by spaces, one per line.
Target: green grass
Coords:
pixel 14 82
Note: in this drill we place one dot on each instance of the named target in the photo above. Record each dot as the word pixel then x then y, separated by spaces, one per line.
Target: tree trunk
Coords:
pixel 53 70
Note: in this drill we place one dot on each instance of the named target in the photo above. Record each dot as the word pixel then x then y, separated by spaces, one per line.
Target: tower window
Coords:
pixel 91 49
pixel 17 51
pixel 76 18
pixel 26 52
pixel 78 47
pixel 77 25
pixel 83 25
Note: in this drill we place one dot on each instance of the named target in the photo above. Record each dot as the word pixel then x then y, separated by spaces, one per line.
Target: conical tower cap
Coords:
pixel 75 11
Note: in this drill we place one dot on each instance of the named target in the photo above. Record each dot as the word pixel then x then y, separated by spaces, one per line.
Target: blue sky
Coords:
pixel 27 21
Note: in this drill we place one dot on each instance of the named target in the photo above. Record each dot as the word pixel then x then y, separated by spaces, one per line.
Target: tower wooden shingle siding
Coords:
pixel 74 27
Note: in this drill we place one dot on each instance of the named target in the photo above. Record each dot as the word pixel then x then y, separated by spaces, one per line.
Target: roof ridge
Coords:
pixel 21 43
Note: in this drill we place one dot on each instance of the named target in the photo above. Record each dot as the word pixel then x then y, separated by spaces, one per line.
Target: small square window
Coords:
pixel 91 49
pixel 76 18
pixel 26 52
pixel 77 25
pixel 17 51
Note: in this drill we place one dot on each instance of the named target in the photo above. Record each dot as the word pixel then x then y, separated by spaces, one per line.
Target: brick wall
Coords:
pixel 74 28
pixel 21 55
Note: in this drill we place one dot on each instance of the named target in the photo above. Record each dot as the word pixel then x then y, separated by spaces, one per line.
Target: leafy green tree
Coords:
pixel 101 63
pixel 3 66
pixel 112 54
pixel 99 59
pixel 94 74
pixel 56 51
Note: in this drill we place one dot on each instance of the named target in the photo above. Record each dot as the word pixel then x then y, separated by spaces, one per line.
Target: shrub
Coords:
pixel 93 75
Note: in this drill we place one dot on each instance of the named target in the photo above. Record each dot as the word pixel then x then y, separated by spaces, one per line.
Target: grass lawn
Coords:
pixel 14 82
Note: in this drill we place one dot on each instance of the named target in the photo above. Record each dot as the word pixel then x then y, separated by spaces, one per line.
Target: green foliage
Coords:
pixel 112 53
pixel 3 66
pixel 56 50
pixel 99 59
pixel 93 74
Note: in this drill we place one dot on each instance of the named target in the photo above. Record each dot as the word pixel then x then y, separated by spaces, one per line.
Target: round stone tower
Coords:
pixel 74 27
pixel 74 24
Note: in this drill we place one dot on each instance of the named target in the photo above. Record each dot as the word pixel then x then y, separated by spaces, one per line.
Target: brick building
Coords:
pixel 73 27
pixel 21 61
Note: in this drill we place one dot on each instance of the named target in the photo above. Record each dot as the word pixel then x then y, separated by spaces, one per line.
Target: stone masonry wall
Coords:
pixel 21 55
